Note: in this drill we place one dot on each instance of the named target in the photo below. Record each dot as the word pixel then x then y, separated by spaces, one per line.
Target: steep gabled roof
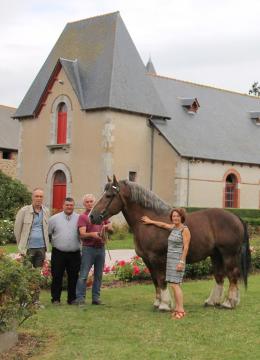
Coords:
pixel 9 128
pixel 150 67
pixel 220 130
pixel 107 73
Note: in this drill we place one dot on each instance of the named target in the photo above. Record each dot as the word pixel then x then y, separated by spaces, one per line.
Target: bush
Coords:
pixel 13 195
pixel 198 270
pixel 135 269
pixel 120 232
pixel 6 232
pixel 19 291
pixel 255 258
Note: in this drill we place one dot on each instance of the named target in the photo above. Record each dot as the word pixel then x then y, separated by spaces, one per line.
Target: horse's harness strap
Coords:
pixel 117 191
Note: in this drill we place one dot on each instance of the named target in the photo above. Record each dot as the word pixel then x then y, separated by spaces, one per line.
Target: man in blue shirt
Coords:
pixel 31 229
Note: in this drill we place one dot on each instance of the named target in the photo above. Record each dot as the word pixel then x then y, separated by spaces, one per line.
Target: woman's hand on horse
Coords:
pixel 146 220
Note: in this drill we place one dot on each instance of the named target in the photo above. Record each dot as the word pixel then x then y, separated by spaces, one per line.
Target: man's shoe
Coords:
pixel 79 302
pixel 97 302
pixel 56 303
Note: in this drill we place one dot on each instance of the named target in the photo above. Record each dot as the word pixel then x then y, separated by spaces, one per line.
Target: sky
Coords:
pixel 211 42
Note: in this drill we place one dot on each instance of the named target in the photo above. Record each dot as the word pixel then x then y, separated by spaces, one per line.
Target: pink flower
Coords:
pixel 107 269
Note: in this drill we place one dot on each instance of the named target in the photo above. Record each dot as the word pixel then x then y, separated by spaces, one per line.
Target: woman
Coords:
pixel 178 245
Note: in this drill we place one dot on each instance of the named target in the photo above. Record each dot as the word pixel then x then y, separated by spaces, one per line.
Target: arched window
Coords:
pixel 59 190
pixel 231 191
pixel 62 124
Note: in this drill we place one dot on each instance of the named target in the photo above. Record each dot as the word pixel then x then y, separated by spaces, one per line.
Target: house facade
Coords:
pixel 9 136
pixel 94 110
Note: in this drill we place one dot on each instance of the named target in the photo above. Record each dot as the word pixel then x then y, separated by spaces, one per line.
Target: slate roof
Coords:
pixel 150 67
pixel 104 67
pixel 9 129
pixel 222 129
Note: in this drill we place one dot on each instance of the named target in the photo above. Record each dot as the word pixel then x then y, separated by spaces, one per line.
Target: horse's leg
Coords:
pixel 216 294
pixel 157 300
pixel 233 273
pixel 166 299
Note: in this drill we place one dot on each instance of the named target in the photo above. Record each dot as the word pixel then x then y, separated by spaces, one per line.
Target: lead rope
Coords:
pixel 105 237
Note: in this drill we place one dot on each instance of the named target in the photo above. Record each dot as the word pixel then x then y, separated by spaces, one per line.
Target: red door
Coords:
pixel 59 191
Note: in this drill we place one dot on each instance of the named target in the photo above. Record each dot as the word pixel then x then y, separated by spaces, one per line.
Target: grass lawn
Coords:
pixel 127 327
pixel 113 244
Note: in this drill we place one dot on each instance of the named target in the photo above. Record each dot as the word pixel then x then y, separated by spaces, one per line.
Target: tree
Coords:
pixel 255 89
pixel 13 195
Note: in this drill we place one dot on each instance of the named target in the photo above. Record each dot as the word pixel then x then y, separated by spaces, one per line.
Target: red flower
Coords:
pixel 146 270
pixel 121 263
pixel 136 270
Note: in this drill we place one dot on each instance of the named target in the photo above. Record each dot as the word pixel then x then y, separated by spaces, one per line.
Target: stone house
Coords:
pixel 9 136
pixel 95 109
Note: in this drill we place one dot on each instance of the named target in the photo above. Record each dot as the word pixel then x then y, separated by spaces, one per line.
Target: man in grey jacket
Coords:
pixel 64 236
pixel 31 229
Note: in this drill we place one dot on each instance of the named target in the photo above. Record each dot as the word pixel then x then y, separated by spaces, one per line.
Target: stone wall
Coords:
pixel 9 166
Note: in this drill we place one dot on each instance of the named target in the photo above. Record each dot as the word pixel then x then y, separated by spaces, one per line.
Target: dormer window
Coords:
pixel 191 105
pixel 255 116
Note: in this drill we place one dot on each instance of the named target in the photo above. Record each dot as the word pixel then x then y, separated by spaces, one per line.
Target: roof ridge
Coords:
pixel 113 61
pixel 94 17
pixel 204 85
pixel 10 107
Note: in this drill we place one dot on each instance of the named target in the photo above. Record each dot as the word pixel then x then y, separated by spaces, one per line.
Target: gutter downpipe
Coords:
pixel 188 184
pixel 152 153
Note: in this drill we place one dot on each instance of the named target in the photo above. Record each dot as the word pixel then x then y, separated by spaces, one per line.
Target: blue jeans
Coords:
pixel 90 256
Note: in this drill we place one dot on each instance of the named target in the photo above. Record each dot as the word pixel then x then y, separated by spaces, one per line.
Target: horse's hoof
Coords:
pixel 206 304
pixel 164 307
pixel 227 305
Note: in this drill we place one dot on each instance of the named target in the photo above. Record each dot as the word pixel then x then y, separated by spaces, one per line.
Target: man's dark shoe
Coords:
pixel 79 302
pixel 97 302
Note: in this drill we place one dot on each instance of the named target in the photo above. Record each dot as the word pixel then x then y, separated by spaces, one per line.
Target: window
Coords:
pixel 255 116
pixel 231 191
pixel 62 124
pixel 191 105
pixel 132 175
pixel 7 155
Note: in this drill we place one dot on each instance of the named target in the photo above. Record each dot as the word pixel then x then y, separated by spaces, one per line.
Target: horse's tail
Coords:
pixel 245 254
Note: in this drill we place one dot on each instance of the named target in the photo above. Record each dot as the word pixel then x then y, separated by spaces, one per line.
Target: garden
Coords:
pixel 128 325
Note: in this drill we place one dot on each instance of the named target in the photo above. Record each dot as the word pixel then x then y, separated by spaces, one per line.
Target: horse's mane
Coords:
pixel 146 198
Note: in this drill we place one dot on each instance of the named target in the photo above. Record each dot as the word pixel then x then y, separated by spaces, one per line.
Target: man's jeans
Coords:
pixel 37 256
pixel 90 256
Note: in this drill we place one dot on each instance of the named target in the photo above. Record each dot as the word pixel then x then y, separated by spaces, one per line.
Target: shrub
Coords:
pixel 198 270
pixel 255 258
pixel 6 232
pixel 135 269
pixel 120 231
pixel 13 195
pixel 19 291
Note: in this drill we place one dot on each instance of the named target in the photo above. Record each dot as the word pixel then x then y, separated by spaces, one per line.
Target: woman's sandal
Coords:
pixel 177 315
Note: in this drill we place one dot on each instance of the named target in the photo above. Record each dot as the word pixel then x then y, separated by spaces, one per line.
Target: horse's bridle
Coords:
pixel 116 191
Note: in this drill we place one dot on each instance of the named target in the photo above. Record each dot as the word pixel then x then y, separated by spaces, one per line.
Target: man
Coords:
pixel 31 229
pixel 93 252
pixel 63 233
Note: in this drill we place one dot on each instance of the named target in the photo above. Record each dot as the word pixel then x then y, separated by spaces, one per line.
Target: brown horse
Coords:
pixel 214 232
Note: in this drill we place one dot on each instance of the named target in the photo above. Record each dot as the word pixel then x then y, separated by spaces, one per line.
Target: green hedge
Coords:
pixel 251 216
pixel 13 195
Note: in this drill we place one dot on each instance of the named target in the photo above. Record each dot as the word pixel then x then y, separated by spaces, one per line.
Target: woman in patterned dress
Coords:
pixel 178 245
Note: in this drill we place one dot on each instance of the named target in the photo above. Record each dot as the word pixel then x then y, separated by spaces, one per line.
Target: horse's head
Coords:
pixel 110 203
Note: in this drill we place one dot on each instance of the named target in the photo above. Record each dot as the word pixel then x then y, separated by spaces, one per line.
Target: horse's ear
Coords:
pixel 115 182
pixel 109 179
